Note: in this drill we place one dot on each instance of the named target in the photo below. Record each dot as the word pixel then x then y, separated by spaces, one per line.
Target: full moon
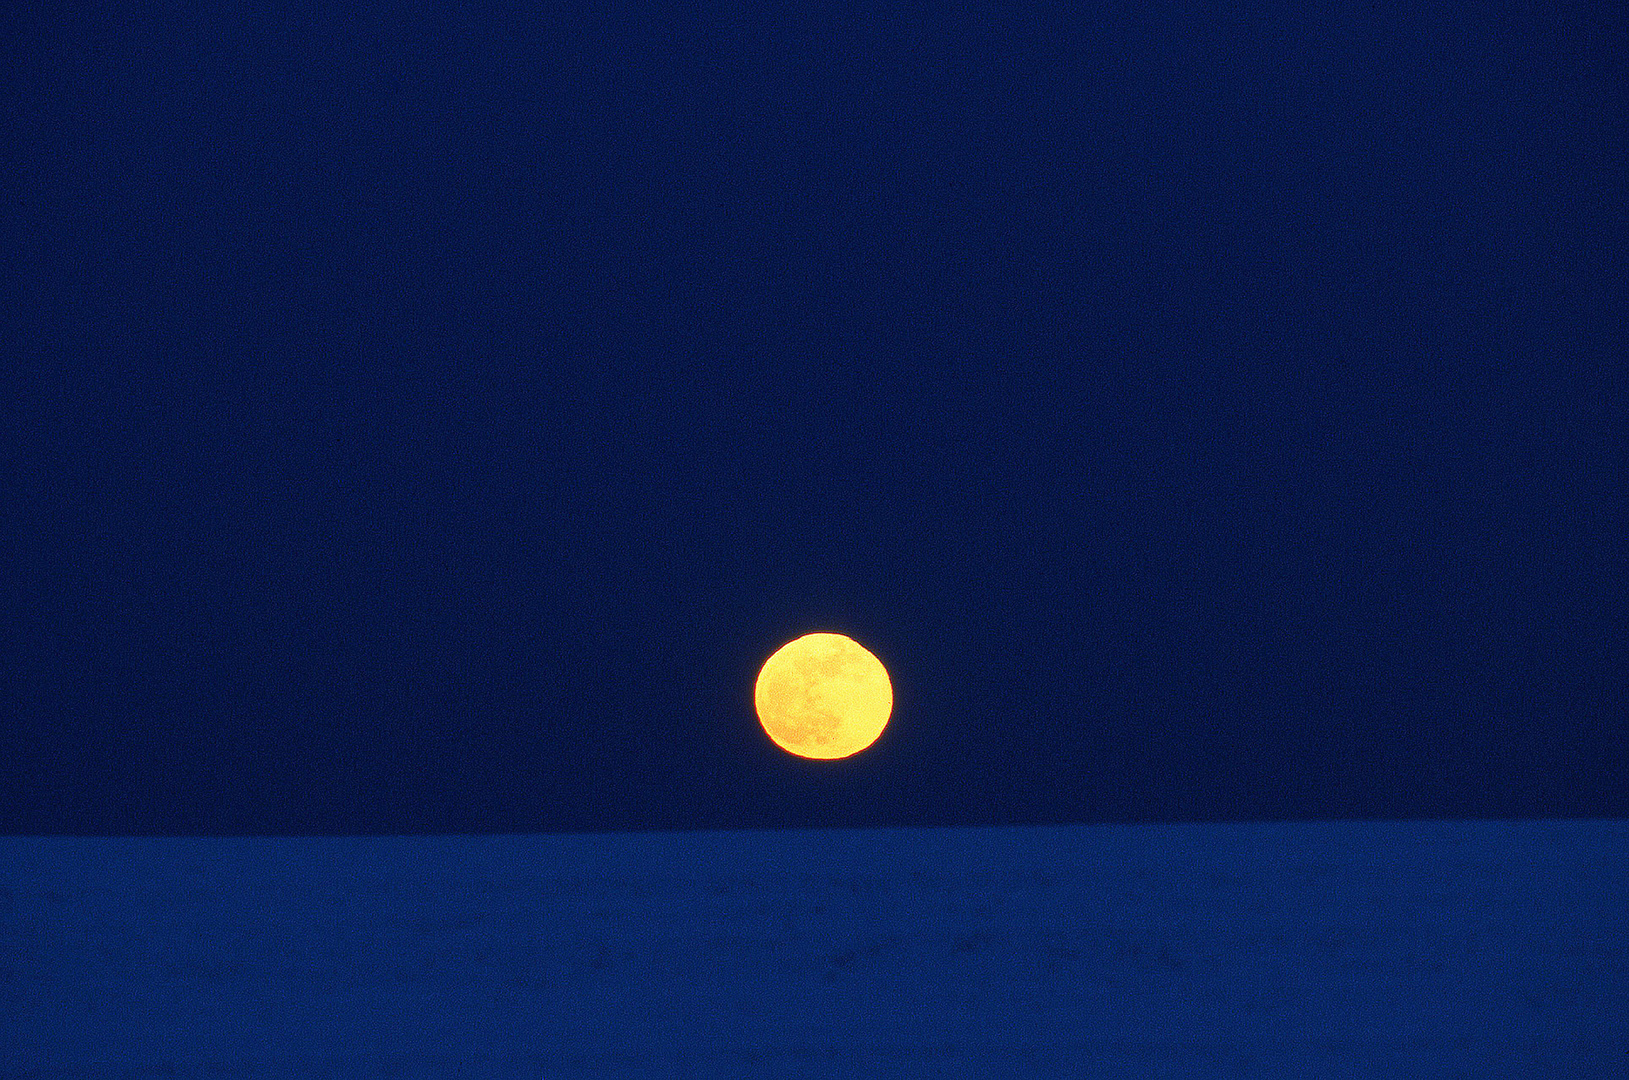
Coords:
pixel 823 696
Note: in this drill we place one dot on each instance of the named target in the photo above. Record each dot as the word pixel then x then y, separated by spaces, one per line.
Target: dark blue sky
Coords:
pixel 429 421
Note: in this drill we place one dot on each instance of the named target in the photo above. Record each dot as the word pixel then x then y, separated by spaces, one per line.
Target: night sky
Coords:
pixel 429 420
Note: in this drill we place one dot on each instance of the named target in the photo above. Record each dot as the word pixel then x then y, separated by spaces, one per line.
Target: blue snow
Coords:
pixel 1422 949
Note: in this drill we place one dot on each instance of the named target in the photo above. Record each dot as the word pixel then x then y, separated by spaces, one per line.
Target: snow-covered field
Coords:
pixel 1441 949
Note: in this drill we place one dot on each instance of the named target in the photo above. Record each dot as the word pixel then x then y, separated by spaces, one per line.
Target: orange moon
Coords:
pixel 823 696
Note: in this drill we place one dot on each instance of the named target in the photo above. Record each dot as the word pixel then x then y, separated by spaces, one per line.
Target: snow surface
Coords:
pixel 1440 949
